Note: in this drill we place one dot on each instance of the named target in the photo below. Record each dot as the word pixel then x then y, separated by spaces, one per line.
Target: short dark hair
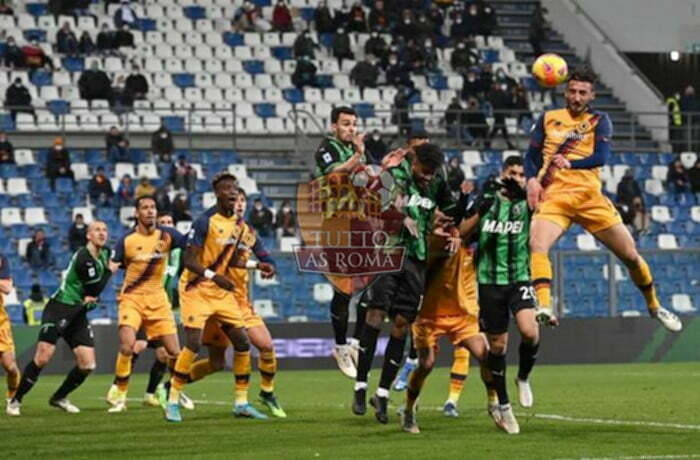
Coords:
pixel 418 134
pixel 430 155
pixel 514 160
pixel 242 192
pixel 79 215
pixel 223 175
pixel 584 74
pixel 335 113
pixel 164 214
pixel 145 197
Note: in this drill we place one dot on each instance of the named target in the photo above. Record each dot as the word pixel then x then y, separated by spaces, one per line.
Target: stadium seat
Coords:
pixel 661 214
pixel 86 211
pixel 262 282
pixel 667 241
pixel 184 226
pixel 35 216
pixel 208 200
pixel 654 187
pixel 264 308
pixel 124 169
pixel 126 215
pixel 695 213
pixel 287 243
pixel 24 157
pixel 12 299
pixel 16 186
pixel 682 303
pixel 688 159
pixel 10 216
pixel 586 242
pixel 148 170
pixel 323 292
pixel 81 171
pixel 659 172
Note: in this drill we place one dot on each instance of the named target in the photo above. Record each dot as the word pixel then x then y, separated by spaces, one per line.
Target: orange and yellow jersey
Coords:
pixel 220 238
pixel 237 271
pixel 451 286
pixel 145 258
pixel 584 140
pixel 4 275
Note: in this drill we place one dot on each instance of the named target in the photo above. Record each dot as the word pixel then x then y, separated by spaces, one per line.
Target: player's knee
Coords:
pixel 240 342
pixel 126 350
pixel 426 363
pixel 265 347
pixel 630 257
pixel 162 354
pixel 87 367
pixel 375 317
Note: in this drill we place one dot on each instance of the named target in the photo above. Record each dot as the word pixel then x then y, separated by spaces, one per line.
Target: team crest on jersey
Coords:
pixel 519 208
pixel 161 246
pixel 583 127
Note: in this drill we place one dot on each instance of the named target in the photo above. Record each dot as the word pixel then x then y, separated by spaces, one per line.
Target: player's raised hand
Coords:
pixel 545 317
pixel 267 270
pixel 393 158
pixel 441 219
pixel 560 162
pixel 359 141
pixel 223 282
pixel 535 192
pixel 411 226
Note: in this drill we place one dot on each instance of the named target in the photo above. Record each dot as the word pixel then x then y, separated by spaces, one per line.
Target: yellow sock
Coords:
pixel 241 372
pixel 181 373
pixel 458 373
pixel 122 371
pixel 541 270
pixel 12 384
pixel 267 365
pixel 641 276
pixel 200 369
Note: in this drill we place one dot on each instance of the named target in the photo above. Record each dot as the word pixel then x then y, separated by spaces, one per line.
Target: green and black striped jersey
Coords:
pixel 504 233
pixel 331 153
pixel 85 276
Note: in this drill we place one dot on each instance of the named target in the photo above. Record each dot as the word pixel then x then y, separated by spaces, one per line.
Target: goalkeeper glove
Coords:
pixel 512 189
pixel 545 317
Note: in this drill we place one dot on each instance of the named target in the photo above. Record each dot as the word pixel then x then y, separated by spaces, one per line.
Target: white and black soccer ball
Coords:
pixel 374 179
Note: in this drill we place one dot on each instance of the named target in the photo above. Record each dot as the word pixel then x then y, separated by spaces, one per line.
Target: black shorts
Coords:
pixel 69 322
pixel 497 301
pixel 400 292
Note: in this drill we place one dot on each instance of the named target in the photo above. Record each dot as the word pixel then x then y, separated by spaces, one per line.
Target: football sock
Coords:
pixel 181 374
pixel 267 365
pixel 368 345
pixel 122 371
pixel 241 372
pixel 361 316
pixel 641 275
pixel 29 378
pixel 73 380
pixel 497 366
pixel 155 376
pixel 339 317
pixel 13 379
pixel 392 361
pixel 200 369
pixel 458 373
pixel 528 356
pixel 415 384
pixel 134 358
pixel 541 269
pixel 412 353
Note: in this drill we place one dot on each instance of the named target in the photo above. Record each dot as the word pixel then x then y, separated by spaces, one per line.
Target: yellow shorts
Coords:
pixel 250 317
pixel 457 328
pixel 6 342
pixel 152 312
pixel 213 335
pixel 591 210
pixel 196 307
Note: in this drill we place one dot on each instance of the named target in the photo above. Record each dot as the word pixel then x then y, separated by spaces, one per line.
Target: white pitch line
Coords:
pixel 602 421
pixel 644 457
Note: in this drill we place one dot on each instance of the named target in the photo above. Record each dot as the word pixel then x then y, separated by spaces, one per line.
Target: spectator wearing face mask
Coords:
pixel 407 27
pixel 261 219
pixel 14 58
pixel 341 47
pixel 378 17
pixel 77 234
pixel 430 56
pixel 281 17
pixel 136 84
pixel 500 103
pixel 376 46
pixel 125 15
pixel 18 99
pixel 304 45
pixel 58 163
pixel 286 221
pixel 100 188
pixel 162 143
pixel 358 20
pixel 365 74
pixel 463 58
pixel 323 19
pixel 375 147
pixel 397 74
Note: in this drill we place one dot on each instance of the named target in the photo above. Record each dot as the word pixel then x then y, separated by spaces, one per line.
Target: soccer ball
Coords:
pixel 373 179
pixel 550 70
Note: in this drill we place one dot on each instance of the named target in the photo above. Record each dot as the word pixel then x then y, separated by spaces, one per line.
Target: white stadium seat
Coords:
pixel 682 303
pixel 86 211
pixel 24 157
pixel 667 241
pixel 695 213
pixel 22 244
pixel 16 186
pixel 688 159
pixel 659 172
pixel 323 292
pixel 287 243
pixel 264 308
pixel 10 216
pixel 586 242
pixel 148 170
pixel 81 171
pixel 183 226
pixel 123 169
pixel 661 214
pixel 35 216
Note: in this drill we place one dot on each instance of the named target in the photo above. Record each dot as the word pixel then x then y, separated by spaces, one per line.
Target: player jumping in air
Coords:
pixel 7 346
pixel 342 152
pixel 66 316
pixel 256 330
pixel 143 253
pixel 567 149
pixel 501 219
pixel 399 295
pixel 206 290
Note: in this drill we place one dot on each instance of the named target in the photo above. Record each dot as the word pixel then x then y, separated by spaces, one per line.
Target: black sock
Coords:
pixel 368 345
pixel 73 380
pixel 361 309
pixel 339 317
pixel 134 357
pixel 156 375
pixel 412 352
pixel 528 356
pixel 29 377
pixel 497 366
pixel 392 361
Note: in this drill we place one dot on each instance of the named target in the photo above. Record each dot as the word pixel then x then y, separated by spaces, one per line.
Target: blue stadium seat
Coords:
pixel 364 110
pixel 41 78
pixel 233 39
pixel 324 81
pixel 6 122
pixel 22 277
pixel 282 53
pixel 326 40
pixel 438 82
pixel 265 110
pixel 34 34
pixel 262 3
pixel 174 123
pixel 16 314
pixel 8 170
pixel 146 25
pixel 37 9
pixel 58 106
pixel 254 66
pixel 183 80
pixel 64 185
pixel 307 13
pixel 415 98
pixel 195 12
pixel 293 95
pixel 73 64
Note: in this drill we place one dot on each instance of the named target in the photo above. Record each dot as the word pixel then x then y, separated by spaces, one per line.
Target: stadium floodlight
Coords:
pixel 675 56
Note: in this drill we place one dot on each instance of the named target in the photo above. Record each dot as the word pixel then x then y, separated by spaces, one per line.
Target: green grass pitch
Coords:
pixel 609 411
